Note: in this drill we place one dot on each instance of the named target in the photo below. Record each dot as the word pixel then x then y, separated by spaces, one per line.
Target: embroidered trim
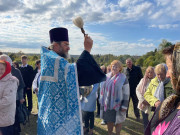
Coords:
pixel 55 77
pixel 77 85
pixel 66 70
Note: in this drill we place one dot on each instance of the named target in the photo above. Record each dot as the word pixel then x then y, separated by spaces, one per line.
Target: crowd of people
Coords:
pixel 57 82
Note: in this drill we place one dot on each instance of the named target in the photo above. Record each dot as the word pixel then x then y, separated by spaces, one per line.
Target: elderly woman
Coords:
pixel 114 97
pixel 141 88
pixel 8 89
pixel 159 87
pixel 19 96
pixel 166 117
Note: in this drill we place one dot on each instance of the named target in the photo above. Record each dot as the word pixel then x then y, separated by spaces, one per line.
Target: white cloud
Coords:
pixel 9 5
pixel 175 12
pixel 141 9
pixel 162 2
pixel 157 15
pixel 90 10
pixel 97 5
pixel 165 26
pixel 166 11
pixel 124 3
pixel 128 12
pixel 30 42
pixel 25 23
pixel 174 41
pixel 145 40
pixel 65 10
pixel 120 48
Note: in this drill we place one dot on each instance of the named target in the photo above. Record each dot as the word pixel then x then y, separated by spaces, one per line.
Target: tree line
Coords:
pixel 151 58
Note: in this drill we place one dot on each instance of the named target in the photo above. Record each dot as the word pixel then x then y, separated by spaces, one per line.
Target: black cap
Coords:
pixel 58 34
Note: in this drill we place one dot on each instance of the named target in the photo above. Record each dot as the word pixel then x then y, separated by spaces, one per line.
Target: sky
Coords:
pixel 117 27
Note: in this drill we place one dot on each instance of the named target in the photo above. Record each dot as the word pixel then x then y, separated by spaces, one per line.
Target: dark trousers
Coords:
pixel 28 92
pixel 135 103
pixel 88 119
pixel 17 127
pixel 9 130
pixel 98 106
pixel 145 119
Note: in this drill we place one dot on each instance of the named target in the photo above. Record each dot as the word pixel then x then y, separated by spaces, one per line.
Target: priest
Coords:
pixel 58 97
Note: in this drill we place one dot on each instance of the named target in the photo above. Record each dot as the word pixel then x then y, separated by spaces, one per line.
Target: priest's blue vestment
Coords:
pixel 58 97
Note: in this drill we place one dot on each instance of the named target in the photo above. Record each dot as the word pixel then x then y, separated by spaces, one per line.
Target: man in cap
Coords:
pixel 59 106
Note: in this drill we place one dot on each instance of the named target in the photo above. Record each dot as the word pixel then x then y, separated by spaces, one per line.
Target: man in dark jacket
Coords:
pixel 28 76
pixel 134 75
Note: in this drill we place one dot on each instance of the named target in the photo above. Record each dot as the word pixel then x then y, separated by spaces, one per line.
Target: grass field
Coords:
pixel 129 127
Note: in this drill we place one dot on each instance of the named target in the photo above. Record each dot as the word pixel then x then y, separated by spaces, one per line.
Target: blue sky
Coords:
pixel 116 26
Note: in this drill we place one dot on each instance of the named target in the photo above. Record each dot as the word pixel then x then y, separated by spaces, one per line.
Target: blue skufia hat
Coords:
pixel 58 34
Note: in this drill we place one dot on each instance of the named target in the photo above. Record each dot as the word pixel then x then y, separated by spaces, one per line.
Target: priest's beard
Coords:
pixel 63 54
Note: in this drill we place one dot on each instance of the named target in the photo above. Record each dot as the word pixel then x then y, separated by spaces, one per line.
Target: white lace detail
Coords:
pixel 66 70
pixel 55 77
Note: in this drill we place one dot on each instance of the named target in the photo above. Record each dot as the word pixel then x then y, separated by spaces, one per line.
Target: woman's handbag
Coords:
pixel 22 113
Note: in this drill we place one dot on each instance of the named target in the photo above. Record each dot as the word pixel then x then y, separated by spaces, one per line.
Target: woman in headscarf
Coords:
pixel 159 87
pixel 8 89
pixel 114 97
pixel 166 117
pixel 143 105
pixel 19 95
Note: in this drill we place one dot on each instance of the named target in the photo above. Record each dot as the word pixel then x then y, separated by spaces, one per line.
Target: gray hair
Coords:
pixel 52 45
pixel 129 59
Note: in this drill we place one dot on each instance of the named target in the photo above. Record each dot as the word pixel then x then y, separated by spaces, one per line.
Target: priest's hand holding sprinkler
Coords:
pixel 88 42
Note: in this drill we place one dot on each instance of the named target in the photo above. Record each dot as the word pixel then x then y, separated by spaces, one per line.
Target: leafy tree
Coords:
pixel 151 58
pixel 155 50
pixel 149 61
pixel 164 44
pixel 140 61
pixel 35 57
pixel 20 53
pixel 12 56
pixel 71 60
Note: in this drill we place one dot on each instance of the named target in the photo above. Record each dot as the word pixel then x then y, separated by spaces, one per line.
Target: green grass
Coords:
pixel 129 127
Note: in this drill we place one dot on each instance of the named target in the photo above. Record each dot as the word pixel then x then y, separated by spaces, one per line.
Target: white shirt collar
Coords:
pixel 24 66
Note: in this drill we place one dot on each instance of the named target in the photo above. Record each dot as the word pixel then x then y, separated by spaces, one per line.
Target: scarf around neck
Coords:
pixel 111 96
pixel 159 93
pixel 145 81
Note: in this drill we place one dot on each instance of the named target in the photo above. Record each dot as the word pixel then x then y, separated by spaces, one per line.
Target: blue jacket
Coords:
pixel 90 106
